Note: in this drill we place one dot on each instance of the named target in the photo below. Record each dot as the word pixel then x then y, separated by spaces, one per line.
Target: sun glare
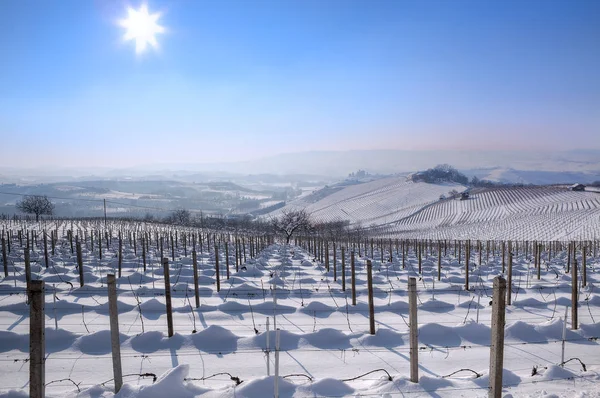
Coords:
pixel 142 27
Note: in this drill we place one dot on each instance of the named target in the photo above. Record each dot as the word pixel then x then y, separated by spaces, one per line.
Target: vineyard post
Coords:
pixel 343 270
pixel 574 288
pixel 53 238
pixel 334 262
pixel 120 253
pixel 99 246
pixel 276 386
pixel 217 274
pixel 497 341
pixel 27 267
pixel 268 349
pixel 168 297
pixel 144 252
pixel 583 265
pixel 467 258
pixel 172 247
pixel 371 305
pixel 564 337
pixel 503 257
pixel 4 260
pixel 114 331
pixel 79 261
pixel 37 340
pixel 414 330
pixel 509 279
pixel 419 249
pixel 195 265
pixel 537 259
pixel 227 257
pixel 569 258
pixel 327 256
pixel 46 249
pixel 439 261
pixel 353 277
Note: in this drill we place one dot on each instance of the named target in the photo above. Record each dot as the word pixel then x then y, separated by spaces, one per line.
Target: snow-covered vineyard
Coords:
pixel 224 314
pixel 395 207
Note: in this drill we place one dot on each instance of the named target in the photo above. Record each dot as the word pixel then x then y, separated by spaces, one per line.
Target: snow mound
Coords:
pixel 170 384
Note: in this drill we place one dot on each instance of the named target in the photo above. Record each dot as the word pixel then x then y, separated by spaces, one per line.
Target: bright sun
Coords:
pixel 142 27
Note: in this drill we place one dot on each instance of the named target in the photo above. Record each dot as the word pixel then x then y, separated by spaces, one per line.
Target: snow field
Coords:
pixel 323 337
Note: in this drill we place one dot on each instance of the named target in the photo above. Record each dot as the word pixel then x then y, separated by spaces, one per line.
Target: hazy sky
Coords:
pixel 242 79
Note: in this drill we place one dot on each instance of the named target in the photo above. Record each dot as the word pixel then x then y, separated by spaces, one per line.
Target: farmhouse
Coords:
pixel 577 187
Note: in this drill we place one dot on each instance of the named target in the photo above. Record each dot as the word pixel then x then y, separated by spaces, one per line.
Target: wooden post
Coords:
pixel 343 270
pixel 439 261
pixel 538 260
pixel 195 265
pixel 168 297
pixel 371 305
pixel 414 330
pixel 79 261
pixel 419 247
pixel 114 331
pixel 45 249
pixel 509 279
pixel 27 267
pixel 353 276
pixel 583 265
pixel 4 260
pixel 467 258
pixel 217 274
pixel 120 253
pixel 227 258
pixel 503 257
pixel 334 263
pixel 574 291
pixel 497 342
pixel 37 340
pixel 144 253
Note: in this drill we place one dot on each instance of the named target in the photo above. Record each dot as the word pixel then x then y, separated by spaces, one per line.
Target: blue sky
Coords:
pixel 234 80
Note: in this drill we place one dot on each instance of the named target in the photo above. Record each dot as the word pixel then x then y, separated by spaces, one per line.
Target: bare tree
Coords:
pixel 180 217
pixel 36 204
pixel 290 222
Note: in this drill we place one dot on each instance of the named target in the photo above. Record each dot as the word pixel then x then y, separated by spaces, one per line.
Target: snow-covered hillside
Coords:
pixel 376 202
pixel 543 213
pixel 396 207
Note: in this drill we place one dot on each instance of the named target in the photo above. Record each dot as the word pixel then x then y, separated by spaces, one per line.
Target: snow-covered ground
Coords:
pixel 325 340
